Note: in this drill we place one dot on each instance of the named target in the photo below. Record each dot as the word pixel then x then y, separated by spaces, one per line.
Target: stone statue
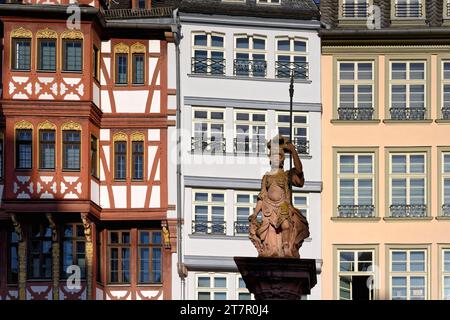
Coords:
pixel 281 230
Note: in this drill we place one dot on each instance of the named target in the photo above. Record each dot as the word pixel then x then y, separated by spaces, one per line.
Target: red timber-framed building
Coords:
pixel 85 116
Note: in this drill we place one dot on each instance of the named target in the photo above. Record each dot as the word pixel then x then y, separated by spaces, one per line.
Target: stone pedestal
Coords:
pixel 278 278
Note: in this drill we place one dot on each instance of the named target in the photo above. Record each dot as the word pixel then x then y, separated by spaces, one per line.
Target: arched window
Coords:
pixel 72 50
pixel 21 49
pixel 120 156
pixel 47 49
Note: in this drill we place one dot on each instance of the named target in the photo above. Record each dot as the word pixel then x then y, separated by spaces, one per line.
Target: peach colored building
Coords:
pixel 386 150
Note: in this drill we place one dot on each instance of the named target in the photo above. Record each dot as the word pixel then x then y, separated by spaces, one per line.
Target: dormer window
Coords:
pixel 354 9
pixel 408 8
pixel 268 1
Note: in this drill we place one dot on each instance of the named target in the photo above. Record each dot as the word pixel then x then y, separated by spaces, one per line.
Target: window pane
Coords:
pixel 347 164
pixel 417 71
pixel 242 43
pixel 346 261
pixel 204 296
pixel 73 55
pixel 398 164
pixel 21 54
pixel 220 282
pixel 217 41
pixel 347 71
pixel 399 71
pixel 200 40
pixel 47 55
pixel 204 282
pixel 300 46
pixel 259 44
pixel 284 45
pixel 138 69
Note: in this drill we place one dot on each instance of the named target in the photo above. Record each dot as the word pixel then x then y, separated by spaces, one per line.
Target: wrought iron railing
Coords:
pixel 349 113
pixel 446 113
pixel 356 211
pixel 138 13
pixel 301 145
pixel 355 10
pixel 408 211
pixel 212 145
pixel 407 113
pixel 241 227
pixel 209 227
pixel 408 10
pixel 285 69
pixel 448 9
pixel 446 210
pixel 250 68
pixel 248 146
pixel 208 66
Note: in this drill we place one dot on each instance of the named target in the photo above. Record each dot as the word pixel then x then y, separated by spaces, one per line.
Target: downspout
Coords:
pixel 180 264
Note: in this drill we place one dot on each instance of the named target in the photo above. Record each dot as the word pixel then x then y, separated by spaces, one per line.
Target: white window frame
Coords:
pixel 444 175
pixel 444 82
pixel 371 273
pixel 295 125
pixel 209 48
pixel 250 205
pixel 446 9
pixel 355 177
pixel 212 289
pixel 394 15
pixel 293 54
pixel 242 290
pixel 302 207
pixel 408 273
pixel 209 121
pixel 250 123
pixel 408 176
pixel 251 51
pixel 444 274
pixel 341 9
pixel 210 204
pixel 269 2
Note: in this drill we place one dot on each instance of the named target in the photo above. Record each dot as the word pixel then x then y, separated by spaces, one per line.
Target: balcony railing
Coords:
pixel 355 10
pixel 209 227
pixel 408 10
pixel 356 211
pixel 241 227
pixel 138 13
pixel 302 145
pixel 446 113
pixel 349 113
pixel 250 68
pixel 209 145
pixel 285 69
pixel 408 211
pixel 407 113
pixel 446 210
pixel 208 66
pixel 247 146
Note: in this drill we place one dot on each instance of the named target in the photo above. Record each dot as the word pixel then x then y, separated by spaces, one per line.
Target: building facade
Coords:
pixel 386 161
pixel 235 64
pixel 87 103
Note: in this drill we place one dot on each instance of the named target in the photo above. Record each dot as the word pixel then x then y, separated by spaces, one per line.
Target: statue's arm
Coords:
pixel 298 178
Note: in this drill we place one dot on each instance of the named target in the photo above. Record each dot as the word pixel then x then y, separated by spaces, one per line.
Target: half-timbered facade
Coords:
pixel 85 114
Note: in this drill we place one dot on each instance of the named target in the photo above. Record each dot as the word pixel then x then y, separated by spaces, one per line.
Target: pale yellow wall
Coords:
pixel 381 135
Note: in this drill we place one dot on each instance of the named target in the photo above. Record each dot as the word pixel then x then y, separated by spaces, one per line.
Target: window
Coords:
pixel 150 257
pixel 291 57
pixel 47 149
pixel 269 1
pixel 138 68
pixel 47 54
pixel 356 185
pixel 242 292
pixel 120 160
pixel 74 248
pixel 356 274
pixel 250 56
pixel 96 63
pixel 244 207
pixel 356 90
pixel 446 274
pixel 121 68
pixel 446 9
pixel 250 132
pixel 13 257
pixel 94 156
pixel 445 184
pixel 356 9
pixel 408 182
pixel 119 249
pixel 141 4
pixel 24 158
pixel 301 203
pixel 299 128
pixel 138 160
pixel 211 287
pixel 72 55
pixel 407 89
pixel 208 53
pixel 409 8
pixel 99 255
pixel 21 54
pixel 445 96
pixel 71 149
pixel 209 212
pixel 208 130
pixel 408 278
pixel 40 265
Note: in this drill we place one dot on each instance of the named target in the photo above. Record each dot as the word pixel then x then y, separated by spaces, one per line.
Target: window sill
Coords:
pixel 71 170
pixel 445 121
pixel 141 285
pixel 337 121
pixel 342 219
pixel 235 154
pixel 399 21
pixel 46 71
pixel 67 71
pixel 46 170
pixel 407 219
pixel 407 121
pixel 218 76
pixel 216 236
pixel 352 22
pixel 442 218
pixel 20 70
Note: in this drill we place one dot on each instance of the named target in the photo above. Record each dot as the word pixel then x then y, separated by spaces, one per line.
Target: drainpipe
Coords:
pixel 180 264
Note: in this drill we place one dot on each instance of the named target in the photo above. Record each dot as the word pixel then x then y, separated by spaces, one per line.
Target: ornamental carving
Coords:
pixel 120 136
pixel 21 33
pixel 137 136
pixel 23 125
pixel 53 226
pixel 138 48
pixel 71 126
pixel 17 227
pixel 72 34
pixel 87 227
pixel 46 34
pixel 121 48
pixel 46 125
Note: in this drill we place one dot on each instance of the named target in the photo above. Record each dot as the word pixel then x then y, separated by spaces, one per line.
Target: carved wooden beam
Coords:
pixel 89 254
pixel 22 252
pixel 55 256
